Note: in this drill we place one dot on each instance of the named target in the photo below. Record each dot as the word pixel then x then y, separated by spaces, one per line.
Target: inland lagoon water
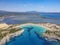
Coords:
pixel 41 18
pixel 32 35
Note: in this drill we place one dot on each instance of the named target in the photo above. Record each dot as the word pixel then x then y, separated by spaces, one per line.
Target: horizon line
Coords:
pixel 31 11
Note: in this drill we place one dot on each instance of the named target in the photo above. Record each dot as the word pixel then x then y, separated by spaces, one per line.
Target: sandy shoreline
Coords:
pixel 48 26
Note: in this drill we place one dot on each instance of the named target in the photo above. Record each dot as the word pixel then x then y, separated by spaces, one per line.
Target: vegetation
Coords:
pixel 4 32
pixel 48 32
pixel 1 36
pixel 57 33
pixel 13 30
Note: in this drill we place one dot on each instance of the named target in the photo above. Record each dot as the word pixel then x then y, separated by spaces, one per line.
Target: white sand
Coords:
pixel 4 25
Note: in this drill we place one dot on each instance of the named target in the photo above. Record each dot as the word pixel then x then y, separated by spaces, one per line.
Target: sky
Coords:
pixel 30 5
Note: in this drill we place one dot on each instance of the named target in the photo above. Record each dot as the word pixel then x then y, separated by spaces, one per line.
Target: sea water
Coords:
pixel 32 35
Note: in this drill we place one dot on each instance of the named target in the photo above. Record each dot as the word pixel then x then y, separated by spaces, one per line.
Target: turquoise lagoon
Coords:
pixel 32 35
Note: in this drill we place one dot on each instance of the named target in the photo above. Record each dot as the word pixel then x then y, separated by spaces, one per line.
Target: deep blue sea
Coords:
pixel 32 35
pixel 51 15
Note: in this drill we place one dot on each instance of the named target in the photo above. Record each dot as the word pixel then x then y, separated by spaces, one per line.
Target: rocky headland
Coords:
pixel 52 33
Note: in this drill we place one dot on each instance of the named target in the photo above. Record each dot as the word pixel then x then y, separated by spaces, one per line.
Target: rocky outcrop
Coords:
pixel 9 36
pixel 53 31
pixel 52 27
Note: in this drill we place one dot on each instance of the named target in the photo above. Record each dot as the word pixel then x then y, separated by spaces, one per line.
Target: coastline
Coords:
pixel 53 29
pixel 9 36
pixel 50 28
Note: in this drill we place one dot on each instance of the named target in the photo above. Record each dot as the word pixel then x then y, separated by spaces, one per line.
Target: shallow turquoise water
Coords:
pixel 34 28
pixel 32 36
